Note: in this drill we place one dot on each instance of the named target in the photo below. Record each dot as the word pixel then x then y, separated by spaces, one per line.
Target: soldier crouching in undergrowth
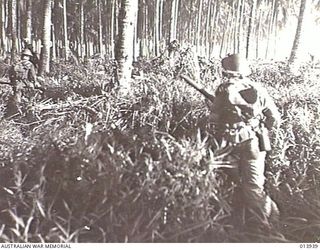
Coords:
pixel 22 77
pixel 243 113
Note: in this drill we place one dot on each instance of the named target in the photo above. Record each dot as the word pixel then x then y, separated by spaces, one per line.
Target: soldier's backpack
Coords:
pixel 19 71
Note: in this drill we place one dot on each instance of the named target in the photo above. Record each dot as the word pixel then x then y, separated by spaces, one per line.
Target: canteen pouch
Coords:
pixel 264 139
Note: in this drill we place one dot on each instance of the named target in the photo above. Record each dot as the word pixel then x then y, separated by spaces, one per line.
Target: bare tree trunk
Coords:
pixel 270 23
pixel 213 32
pixel 124 47
pixel 160 19
pixel 236 28
pixel 54 50
pixel 275 28
pixel 250 27
pixel 207 30
pixel 173 20
pixel 232 35
pixel 29 20
pixel 65 30
pixel 258 30
pixel 13 30
pixel 141 27
pixel 198 44
pixel 112 28
pixel 100 28
pixel 2 27
pixel 240 29
pixel 135 36
pixel 157 28
pixel 224 43
pixel 18 25
pixel 45 51
pixel 82 40
pixel 296 48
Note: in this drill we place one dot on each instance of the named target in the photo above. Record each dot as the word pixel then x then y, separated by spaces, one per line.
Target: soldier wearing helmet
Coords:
pixel 243 113
pixel 22 76
pixel 34 58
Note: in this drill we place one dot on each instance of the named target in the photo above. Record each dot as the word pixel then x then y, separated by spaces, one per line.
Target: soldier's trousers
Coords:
pixel 17 92
pixel 251 167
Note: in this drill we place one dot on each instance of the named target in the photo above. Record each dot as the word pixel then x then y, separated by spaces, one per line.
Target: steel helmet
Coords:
pixel 27 52
pixel 235 63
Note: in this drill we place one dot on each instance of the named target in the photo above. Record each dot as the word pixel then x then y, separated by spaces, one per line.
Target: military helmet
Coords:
pixel 236 64
pixel 26 52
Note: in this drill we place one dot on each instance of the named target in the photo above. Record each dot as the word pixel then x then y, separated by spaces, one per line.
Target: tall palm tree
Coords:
pixel 28 20
pixel 13 30
pixel 124 45
pixel 2 27
pixel 46 33
pixel 296 48
pixel 65 30
pixel 250 26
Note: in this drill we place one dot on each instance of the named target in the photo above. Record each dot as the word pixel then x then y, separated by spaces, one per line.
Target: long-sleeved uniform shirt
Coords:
pixel 240 100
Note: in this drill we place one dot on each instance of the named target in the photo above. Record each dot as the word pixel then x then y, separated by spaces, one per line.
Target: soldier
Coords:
pixel 22 75
pixel 243 113
pixel 34 58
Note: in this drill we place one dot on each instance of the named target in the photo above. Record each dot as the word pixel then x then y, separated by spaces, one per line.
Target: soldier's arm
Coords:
pixel 218 104
pixel 32 74
pixel 271 113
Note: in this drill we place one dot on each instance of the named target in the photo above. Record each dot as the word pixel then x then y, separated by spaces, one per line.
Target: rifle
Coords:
pixel 196 86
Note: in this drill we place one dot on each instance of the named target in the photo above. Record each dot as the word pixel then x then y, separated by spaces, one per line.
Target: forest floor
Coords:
pixel 87 163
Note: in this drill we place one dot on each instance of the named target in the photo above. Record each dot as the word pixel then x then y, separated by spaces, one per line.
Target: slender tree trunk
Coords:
pixel 258 31
pixel 190 25
pixel 232 35
pixel 270 23
pixel 141 25
pixel 213 31
pixel 124 47
pixel 135 36
pixel 207 30
pixel 13 30
pixel 250 27
pixel 240 29
pixel 296 51
pixel 18 25
pixel 45 51
pixel 198 44
pixel 65 30
pixel 224 43
pixel 116 15
pixel 100 28
pixel 82 40
pixel 157 28
pixel 236 28
pixel 173 20
pixel 28 33
pixel 112 28
pixel 275 28
pixel 2 27
pixel 160 19
pixel 54 50
pixel 145 37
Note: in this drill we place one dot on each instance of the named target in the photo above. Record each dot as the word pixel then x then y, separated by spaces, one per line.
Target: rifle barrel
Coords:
pixel 199 88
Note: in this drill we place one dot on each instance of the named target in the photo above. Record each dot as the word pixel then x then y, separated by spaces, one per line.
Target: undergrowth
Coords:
pixel 85 163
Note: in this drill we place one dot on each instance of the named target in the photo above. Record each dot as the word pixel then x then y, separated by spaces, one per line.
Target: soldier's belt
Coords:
pixel 239 132
pixel 253 123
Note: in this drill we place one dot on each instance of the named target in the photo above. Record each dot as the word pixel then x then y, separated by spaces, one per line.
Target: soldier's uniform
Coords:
pixel 22 75
pixel 244 112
